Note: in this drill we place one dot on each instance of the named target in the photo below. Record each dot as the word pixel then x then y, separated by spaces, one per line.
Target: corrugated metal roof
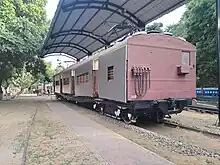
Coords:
pixel 81 27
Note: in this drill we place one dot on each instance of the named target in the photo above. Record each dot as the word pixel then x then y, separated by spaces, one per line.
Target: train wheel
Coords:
pixel 95 107
pixel 127 118
pixel 101 110
pixel 160 117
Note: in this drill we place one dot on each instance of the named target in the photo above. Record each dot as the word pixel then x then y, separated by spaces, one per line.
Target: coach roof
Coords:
pixel 81 27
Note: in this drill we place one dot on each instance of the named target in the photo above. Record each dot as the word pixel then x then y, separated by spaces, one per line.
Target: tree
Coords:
pixel 59 68
pixel 50 72
pixel 23 80
pixel 155 26
pixel 198 26
pixel 177 30
pixel 47 76
pixel 33 10
pixel 23 27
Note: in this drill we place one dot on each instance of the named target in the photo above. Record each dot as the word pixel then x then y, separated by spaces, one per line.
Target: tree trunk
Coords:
pixel 44 87
pixel 1 91
pixel 6 93
pixel 17 94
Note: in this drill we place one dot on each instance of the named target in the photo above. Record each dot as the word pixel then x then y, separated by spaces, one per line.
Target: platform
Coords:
pixel 112 147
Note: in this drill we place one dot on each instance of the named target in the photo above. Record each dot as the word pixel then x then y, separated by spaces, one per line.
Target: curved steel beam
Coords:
pixel 107 6
pixel 60 54
pixel 70 47
pixel 67 44
pixel 80 32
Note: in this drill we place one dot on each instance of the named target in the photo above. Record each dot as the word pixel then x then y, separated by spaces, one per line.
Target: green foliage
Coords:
pixel 33 10
pixel 59 68
pixel 23 79
pixel 155 26
pixel 47 76
pixel 23 27
pixel 178 30
pixel 50 72
pixel 198 26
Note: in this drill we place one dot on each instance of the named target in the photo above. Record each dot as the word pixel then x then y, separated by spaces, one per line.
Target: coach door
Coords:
pixel 61 84
pixel 73 82
pixel 95 78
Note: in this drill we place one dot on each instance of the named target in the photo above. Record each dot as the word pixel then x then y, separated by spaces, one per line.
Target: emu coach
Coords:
pixel 146 75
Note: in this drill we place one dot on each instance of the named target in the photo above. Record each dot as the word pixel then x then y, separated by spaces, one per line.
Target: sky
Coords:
pixel 168 19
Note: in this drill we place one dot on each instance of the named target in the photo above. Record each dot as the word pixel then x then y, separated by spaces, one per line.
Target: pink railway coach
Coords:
pixel 144 76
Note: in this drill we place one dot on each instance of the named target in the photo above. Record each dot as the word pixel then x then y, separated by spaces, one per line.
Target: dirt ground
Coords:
pixel 14 121
pixel 50 142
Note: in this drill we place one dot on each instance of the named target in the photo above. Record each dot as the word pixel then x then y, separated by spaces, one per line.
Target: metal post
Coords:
pixel 218 54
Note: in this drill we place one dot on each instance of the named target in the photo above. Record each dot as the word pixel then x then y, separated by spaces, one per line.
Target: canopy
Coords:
pixel 81 27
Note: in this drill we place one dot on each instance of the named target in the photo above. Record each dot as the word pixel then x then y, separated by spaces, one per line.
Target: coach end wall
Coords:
pixel 114 89
pixel 67 87
pixel 57 87
pixel 162 54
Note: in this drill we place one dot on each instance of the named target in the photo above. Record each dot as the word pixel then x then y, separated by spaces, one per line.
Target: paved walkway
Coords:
pixel 60 135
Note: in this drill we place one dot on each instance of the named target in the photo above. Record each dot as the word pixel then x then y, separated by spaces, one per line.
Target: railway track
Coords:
pixel 166 138
pixel 172 124
pixel 203 109
pixel 166 123
pixel 178 125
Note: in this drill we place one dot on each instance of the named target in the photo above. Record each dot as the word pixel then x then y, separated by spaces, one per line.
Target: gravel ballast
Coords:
pixel 179 152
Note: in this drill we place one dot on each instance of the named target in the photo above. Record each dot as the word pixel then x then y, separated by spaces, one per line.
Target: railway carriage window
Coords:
pixel 186 58
pixel 83 78
pixel 66 81
pixel 87 77
pixel 110 73
pixel 78 80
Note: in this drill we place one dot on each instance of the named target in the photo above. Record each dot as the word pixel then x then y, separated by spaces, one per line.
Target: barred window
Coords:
pixel 87 77
pixel 110 73
pixel 83 78
pixel 66 81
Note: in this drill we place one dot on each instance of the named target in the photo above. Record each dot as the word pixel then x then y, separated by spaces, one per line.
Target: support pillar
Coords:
pixel 218 54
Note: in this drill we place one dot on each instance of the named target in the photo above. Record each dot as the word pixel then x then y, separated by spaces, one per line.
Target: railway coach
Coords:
pixel 145 75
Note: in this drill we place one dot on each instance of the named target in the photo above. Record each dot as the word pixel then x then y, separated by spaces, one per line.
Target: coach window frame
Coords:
pixel 183 60
pixel 83 78
pixel 110 73
pixel 66 81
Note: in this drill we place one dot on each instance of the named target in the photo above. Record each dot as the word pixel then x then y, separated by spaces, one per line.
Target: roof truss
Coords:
pixel 74 23
pixel 104 5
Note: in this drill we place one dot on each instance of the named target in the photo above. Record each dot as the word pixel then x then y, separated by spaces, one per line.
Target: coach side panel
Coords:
pixel 57 83
pixel 112 75
pixel 83 79
pixel 66 78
